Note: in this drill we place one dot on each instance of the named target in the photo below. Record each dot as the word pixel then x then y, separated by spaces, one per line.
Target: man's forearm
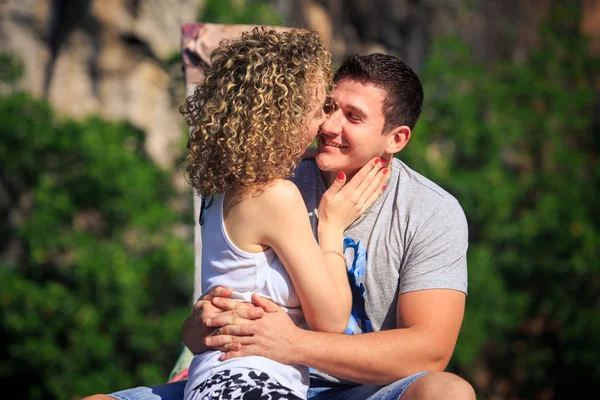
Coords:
pixel 372 358
pixel 430 321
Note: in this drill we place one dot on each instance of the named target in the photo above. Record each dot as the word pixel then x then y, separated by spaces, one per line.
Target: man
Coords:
pixel 406 261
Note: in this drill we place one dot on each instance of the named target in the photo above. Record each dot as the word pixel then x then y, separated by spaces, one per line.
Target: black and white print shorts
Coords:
pixel 244 385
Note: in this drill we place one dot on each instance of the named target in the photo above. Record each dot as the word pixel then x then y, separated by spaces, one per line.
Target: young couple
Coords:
pixel 375 305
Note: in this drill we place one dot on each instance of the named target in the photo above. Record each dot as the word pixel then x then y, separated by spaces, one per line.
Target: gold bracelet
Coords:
pixel 339 253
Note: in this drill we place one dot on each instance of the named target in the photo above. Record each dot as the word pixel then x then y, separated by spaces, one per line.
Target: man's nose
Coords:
pixel 332 124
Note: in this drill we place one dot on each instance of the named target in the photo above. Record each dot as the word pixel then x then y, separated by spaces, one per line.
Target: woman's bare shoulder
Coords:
pixel 280 195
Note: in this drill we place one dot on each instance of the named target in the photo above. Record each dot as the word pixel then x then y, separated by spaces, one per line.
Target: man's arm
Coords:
pixel 428 325
pixel 428 320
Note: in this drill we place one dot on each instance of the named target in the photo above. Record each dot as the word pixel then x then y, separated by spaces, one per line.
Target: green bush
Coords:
pixel 516 144
pixel 95 284
pixel 257 12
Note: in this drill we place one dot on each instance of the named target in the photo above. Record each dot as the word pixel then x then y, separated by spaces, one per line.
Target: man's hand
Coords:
pixel 274 335
pixel 217 309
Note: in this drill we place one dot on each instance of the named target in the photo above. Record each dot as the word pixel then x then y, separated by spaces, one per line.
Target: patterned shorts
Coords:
pixel 243 384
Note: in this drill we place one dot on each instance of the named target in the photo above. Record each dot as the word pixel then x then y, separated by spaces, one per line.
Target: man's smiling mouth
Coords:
pixel 328 143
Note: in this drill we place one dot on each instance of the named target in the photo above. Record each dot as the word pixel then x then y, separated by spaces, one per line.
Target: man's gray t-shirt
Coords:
pixel 414 237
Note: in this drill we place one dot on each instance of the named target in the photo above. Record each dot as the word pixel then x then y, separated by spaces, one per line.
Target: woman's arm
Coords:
pixel 319 279
pixel 341 205
pixel 282 220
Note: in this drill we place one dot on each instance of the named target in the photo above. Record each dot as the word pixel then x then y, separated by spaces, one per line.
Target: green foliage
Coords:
pixel 94 281
pixel 516 145
pixel 11 68
pixel 258 12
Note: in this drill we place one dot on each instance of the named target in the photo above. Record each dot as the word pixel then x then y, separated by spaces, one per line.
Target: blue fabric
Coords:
pixel 170 391
pixel 328 391
pixel 393 391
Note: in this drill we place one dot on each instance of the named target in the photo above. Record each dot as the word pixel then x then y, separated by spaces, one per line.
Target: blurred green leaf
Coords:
pixel 95 300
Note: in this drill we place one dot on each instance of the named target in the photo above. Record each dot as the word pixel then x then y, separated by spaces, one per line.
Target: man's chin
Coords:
pixel 324 163
pixel 327 163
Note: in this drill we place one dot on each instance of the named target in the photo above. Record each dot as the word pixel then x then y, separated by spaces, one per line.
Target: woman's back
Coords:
pixel 233 256
pixel 247 267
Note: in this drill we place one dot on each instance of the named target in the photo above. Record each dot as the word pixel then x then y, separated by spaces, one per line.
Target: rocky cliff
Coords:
pixel 106 57
pixel 110 57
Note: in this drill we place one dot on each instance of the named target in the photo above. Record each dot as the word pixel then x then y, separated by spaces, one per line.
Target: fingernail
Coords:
pixel 208 341
pixel 383 161
pixel 208 321
pixel 383 187
pixel 377 160
pixel 252 329
pixel 341 175
pixel 385 171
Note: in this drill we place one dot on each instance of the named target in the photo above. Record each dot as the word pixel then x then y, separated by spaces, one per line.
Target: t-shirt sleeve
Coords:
pixel 437 257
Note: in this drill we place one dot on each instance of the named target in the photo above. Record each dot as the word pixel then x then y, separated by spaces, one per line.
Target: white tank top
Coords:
pixel 223 264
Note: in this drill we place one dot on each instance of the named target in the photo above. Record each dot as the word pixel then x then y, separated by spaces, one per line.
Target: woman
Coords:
pixel 259 108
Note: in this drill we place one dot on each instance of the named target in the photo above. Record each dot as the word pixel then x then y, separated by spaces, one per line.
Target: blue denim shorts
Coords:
pixel 319 390
pixel 322 390
pixel 169 391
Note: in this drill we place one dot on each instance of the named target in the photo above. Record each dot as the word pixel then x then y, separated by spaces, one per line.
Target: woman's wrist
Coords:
pixel 330 238
pixel 336 253
pixel 325 228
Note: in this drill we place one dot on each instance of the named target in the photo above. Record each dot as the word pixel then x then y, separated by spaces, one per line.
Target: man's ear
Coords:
pixel 398 138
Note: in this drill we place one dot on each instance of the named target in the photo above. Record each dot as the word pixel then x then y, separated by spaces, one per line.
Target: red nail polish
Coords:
pixel 378 159
pixel 385 171
pixel 383 187
pixel 383 161
pixel 341 175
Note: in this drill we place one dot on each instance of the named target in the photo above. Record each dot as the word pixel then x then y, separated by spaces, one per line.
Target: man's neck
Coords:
pixel 330 176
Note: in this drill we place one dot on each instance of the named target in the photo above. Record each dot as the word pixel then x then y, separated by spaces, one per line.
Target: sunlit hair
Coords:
pixel 247 116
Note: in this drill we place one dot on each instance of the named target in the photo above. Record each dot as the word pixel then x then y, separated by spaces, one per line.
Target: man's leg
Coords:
pixel 440 385
pixel 421 386
pixel 166 392
pixel 170 391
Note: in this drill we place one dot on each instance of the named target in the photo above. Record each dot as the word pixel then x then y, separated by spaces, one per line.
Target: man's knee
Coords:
pixel 440 385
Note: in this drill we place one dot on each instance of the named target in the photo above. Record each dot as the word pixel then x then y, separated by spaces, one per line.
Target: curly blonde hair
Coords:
pixel 248 116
